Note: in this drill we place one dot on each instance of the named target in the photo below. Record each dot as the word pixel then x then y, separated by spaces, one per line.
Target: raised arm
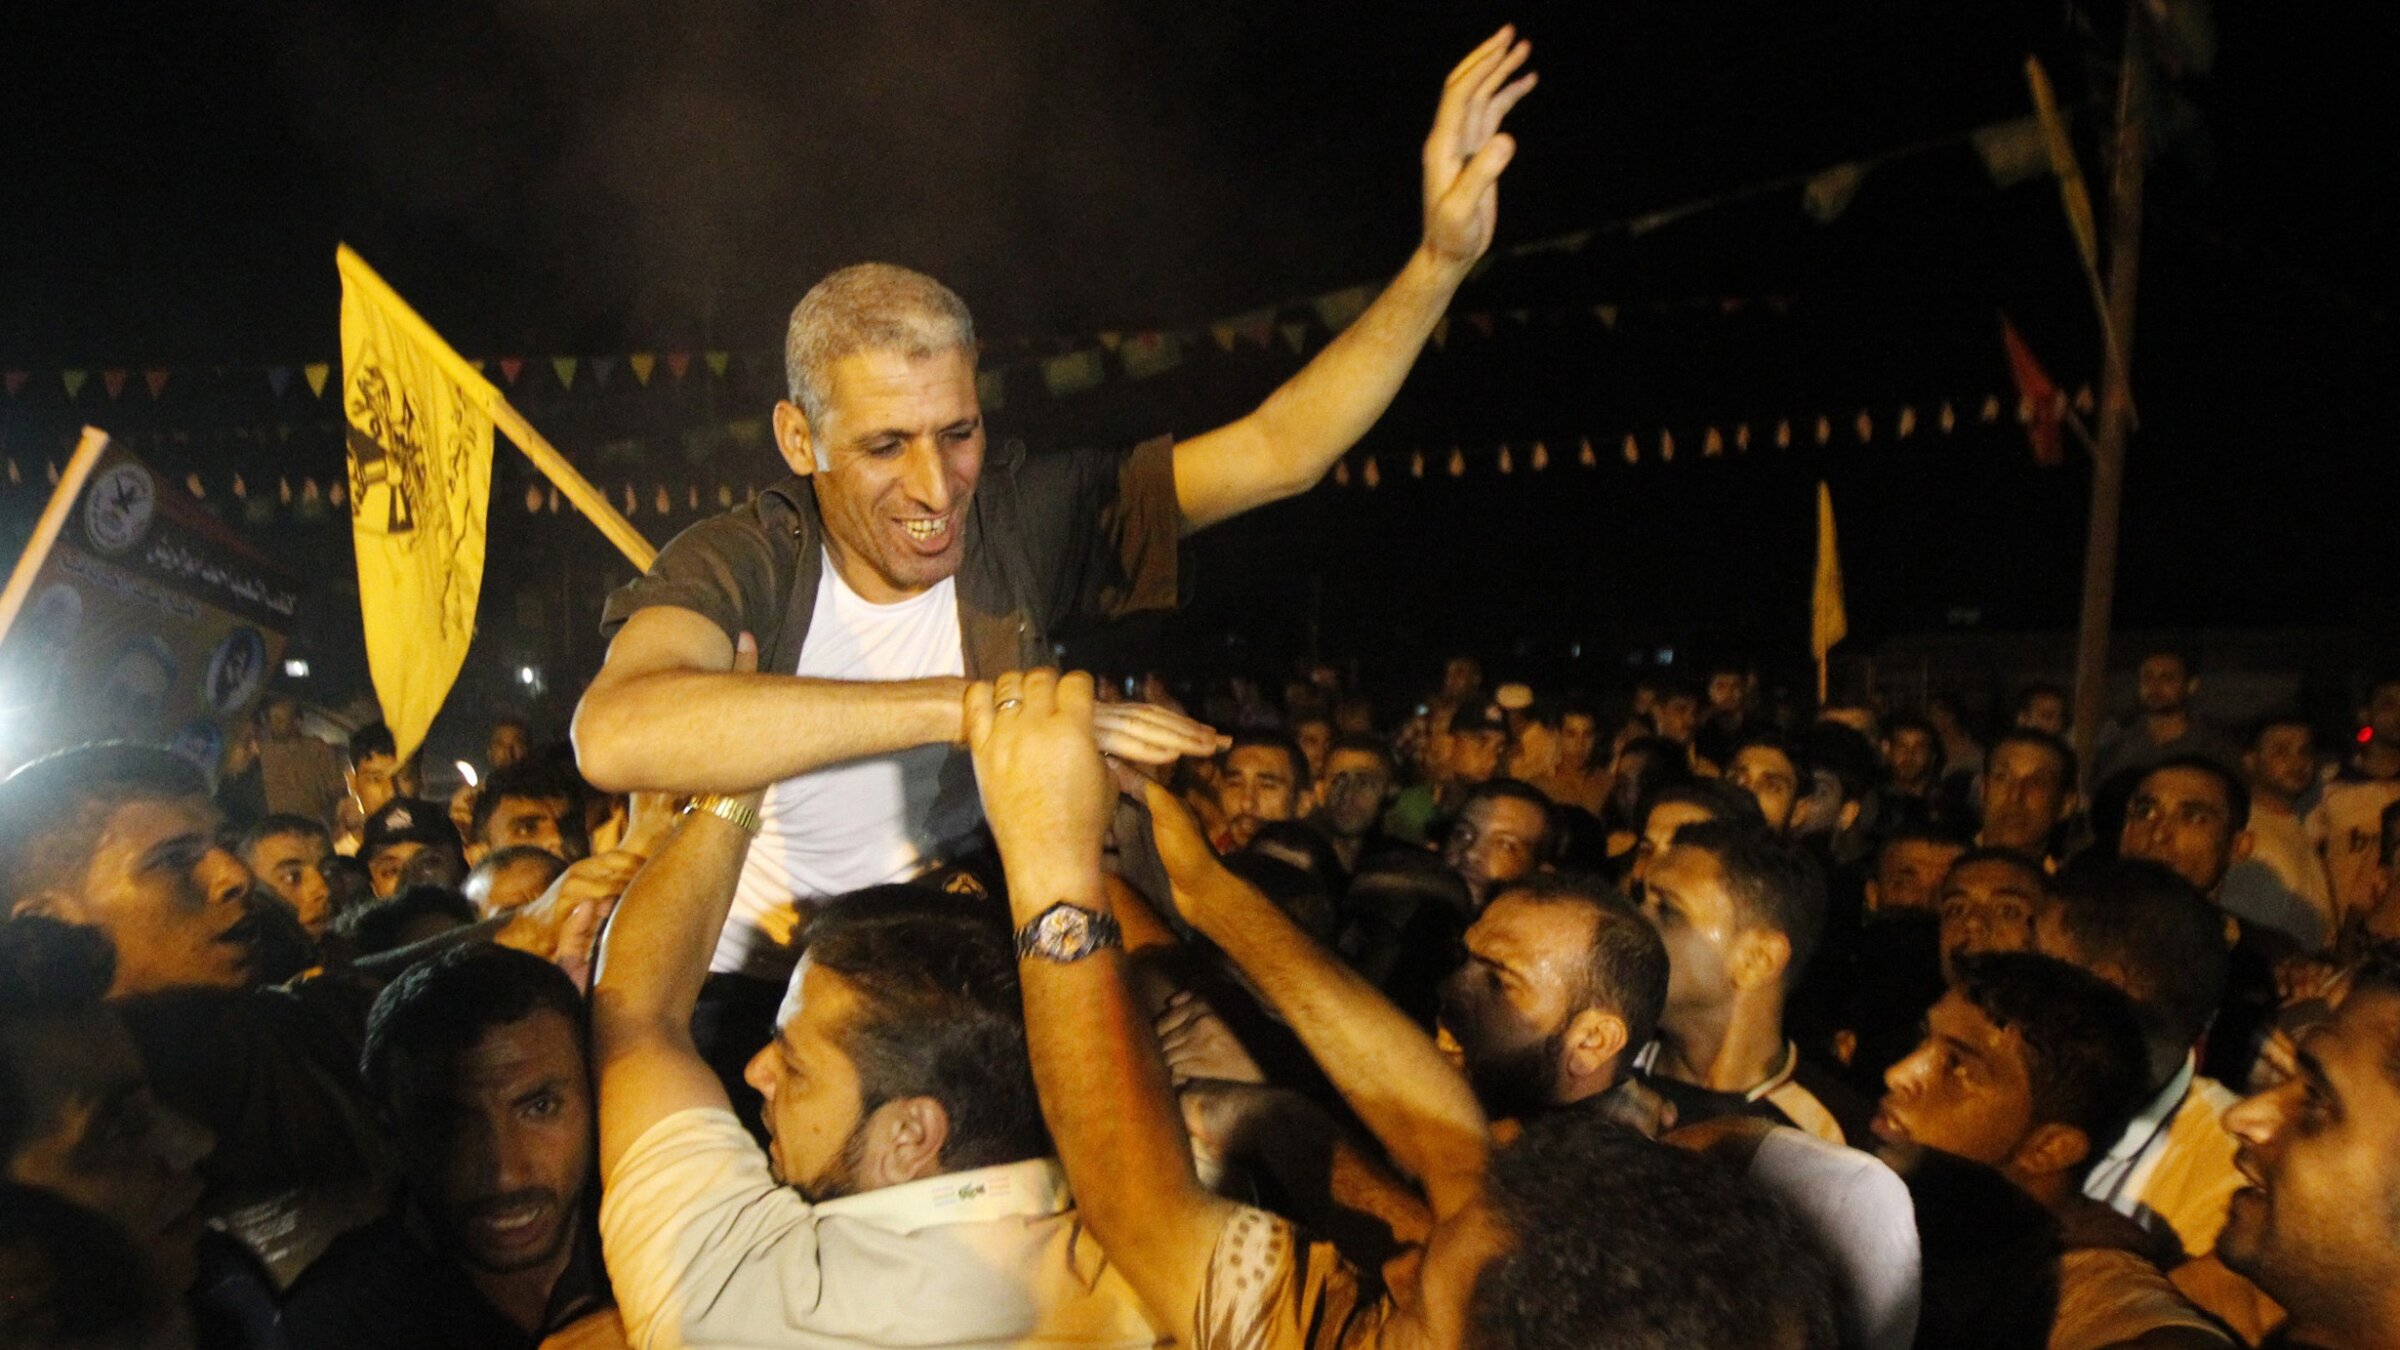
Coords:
pixel 1292 439
pixel 1103 1088
pixel 1415 1103
pixel 667 714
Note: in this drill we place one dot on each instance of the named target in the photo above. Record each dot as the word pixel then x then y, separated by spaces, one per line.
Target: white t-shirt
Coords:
pixel 868 821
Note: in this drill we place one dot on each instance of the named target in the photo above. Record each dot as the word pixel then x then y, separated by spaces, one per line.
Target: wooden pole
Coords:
pixel 2116 400
pixel 53 520
pixel 577 489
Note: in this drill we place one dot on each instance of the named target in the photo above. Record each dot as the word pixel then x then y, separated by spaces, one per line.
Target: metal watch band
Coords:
pixel 726 808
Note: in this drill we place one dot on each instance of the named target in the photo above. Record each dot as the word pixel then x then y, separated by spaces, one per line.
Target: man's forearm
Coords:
pixel 714 731
pixel 656 952
pixel 1292 439
pixel 1106 1098
pixel 1383 1064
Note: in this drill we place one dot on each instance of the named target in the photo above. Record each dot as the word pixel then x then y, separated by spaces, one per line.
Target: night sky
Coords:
pixel 544 176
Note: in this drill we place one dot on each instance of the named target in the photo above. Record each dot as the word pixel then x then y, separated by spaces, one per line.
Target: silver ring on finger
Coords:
pixel 1005 704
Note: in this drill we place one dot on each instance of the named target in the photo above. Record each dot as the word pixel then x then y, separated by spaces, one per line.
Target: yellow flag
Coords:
pixel 420 440
pixel 1829 622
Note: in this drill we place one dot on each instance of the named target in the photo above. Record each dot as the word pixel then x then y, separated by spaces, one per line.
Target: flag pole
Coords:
pixel 53 520
pixel 2116 399
pixel 574 486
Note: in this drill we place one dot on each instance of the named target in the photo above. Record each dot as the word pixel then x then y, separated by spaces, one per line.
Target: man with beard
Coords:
pixel 478 1058
pixel 2318 1227
pixel 1563 981
pixel 1261 778
pixel 905 1196
pixel 1358 783
pixel 2028 792
pixel 2165 727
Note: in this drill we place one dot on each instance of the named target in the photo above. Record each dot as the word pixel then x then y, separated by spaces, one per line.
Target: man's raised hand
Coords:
pixel 1045 791
pixel 1467 150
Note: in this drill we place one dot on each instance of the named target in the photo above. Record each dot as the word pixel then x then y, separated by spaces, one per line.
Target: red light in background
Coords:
pixel 2365 735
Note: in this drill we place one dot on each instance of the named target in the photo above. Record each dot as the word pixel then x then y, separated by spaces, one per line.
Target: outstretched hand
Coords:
pixel 1148 734
pixel 1045 791
pixel 1467 150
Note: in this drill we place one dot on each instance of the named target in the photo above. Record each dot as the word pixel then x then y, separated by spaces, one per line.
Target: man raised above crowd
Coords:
pixel 899 560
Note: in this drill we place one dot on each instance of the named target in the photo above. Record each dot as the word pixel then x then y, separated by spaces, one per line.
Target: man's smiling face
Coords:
pixel 894 460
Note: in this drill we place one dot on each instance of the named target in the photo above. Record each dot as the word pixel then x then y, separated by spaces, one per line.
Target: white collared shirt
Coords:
pixel 705 1248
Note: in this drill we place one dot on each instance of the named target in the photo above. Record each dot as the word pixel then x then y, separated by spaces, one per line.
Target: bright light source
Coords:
pixel 295 668
pixel 466 771
pixel 528 675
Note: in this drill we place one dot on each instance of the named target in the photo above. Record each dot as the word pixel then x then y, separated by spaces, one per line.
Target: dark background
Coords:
pixel 540 177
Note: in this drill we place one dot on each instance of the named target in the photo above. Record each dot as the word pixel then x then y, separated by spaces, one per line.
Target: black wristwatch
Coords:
pixel 1065 933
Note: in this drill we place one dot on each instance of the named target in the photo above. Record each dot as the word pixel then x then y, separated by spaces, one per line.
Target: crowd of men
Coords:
pixel 853 978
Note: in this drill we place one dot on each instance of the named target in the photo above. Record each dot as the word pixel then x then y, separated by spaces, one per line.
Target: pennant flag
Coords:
pixel 1585 456
pixel 1824 429
pixel 991 389
pixel 510 368
pixel 1338 309
pixel 664 503
pixel 73 380
pixel 1541 456
pixel 677 364
pixel 1828 194
pixel 420 442
pixel 643 363
pixel 1072 373
pixel 1607 315
pixel 317 372
pixel 1713 444
pixel 1341 473
pixel 1458 462
pixel 1223 335
pixel 1741 437
pixel 601 366
pixel 1829 620
pixel 1256 327
pixel 1148 354
pixel 1373 476
pixel 1507 464
pixel 2072 192
pixel 564 366
pixel 1949 418
pixel 717 362
pixel 1990 412
pixel 192 484
pixel 2038 398
pixel 1631 450
pixel 1416 464
pixel 113 381
pixel 279 379
pixel 156 378
pixel 1111 340
pixel 1865 426
pixel 1783 433
pixel 1666 446
pixel 1295 335
pixel 2083 398
pixel 1908 422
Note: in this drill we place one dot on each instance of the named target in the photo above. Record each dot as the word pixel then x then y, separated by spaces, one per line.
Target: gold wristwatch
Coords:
pixel 733 809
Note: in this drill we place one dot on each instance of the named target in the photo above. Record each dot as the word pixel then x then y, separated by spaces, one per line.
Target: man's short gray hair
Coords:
pixel 868 307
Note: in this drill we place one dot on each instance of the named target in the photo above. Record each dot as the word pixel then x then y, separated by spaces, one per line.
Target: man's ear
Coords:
pixel 50 904
pixel 2049 1149
pixel 905 1139
pixel 795 439
pixel 1760 957
pixel 1595 1037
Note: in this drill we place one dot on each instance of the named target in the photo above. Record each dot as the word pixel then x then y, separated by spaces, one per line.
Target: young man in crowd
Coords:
pixel 287 855
pixel 77 1116
pixel 477 1056
pixel 525 805
pixel 1687 801
pixel 1773 770
pixel 1912 750
pixel 2318 1224
pixel 2043 707
pixel 1578 780
pixel 2346 822
pixel 2164 727
pixel 1910 867
pixel 2284 873
pixel 1215 1274
pixel 396 833
pixel 510 877
pixel 1726 722
pixel 1471 751
pixel 300 775
pixel 2026 1064
pixel 374 773
pixel 2028 792
pixel 1261 777
pixel 1740 913
pixel 1313 731
pixel 1504 831
pixel 1988 901
pixel 1563 982
pixel 1359 783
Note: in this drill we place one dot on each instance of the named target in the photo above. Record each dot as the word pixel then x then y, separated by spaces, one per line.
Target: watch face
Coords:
pixel 1066 930
pixel 116 512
